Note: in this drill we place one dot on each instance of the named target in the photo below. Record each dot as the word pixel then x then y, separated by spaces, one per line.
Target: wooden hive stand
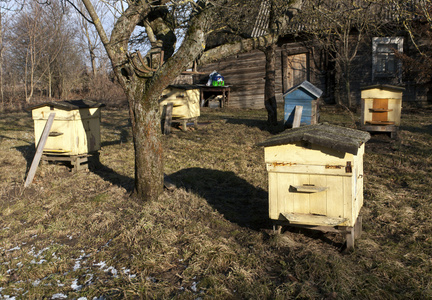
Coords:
pixel 351 232
pixel 77 162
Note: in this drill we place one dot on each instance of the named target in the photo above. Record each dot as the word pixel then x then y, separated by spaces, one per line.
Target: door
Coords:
pixel 295 70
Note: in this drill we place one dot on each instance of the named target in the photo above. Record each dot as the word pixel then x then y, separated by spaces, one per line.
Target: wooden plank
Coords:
pixel 300 200
pixel 348 198
pixel 318 201
pixel 273 195
pixel 335 194
pixel 380 122
pixel 309 219
pixel 39 150
pixel 285 181
pixel 350 238
pixel 297 116
pixel 306 188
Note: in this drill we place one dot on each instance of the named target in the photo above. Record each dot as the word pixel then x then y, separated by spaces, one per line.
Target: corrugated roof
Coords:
pixel 331 136
pixel 262 20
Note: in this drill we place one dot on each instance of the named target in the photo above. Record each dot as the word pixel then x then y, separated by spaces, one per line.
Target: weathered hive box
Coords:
pixel 185 99
pixel 316 175
pixel 381 105
pixel 306 95
pixel 75 129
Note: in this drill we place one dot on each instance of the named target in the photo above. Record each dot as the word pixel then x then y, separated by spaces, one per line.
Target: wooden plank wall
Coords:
pixel 245 73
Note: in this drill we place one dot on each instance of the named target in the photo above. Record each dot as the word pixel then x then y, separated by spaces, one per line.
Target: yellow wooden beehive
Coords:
pixel 316 175
pixel 185 99
pixel 381 105
pixel 75 129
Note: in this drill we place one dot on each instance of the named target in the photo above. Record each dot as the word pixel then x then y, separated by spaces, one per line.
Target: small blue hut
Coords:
pixel 305 95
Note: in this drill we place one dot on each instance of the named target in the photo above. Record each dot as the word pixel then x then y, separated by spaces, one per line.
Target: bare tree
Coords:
pixel 340 28
pixel 415 17
pixel 32 37
pixel 44 49
pixel 7 9
pixel 2 50
pixel 91 38
pixel 143 78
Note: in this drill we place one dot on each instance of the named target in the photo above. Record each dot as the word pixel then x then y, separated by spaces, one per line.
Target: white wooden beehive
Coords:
pixel 75 129
pixel 316 175
pixel 185 99
pixel 381 105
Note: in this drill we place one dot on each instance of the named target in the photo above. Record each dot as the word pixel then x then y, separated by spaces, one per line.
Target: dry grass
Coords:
pixel 81 235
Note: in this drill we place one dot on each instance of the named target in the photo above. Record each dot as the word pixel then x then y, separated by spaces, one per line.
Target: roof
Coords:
pixel 70 104
pixel 307 86
pixel 384 87
pixel 335 137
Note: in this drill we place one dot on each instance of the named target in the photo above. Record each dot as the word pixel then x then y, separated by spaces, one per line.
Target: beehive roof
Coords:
pixel 308 87
pixel 70 104
pixel 335 137
pixel 384 87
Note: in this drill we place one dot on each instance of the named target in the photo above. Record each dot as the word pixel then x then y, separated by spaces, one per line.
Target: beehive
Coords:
pixel 381 107
pixel 185 99
pixel 316 175
pixel 75 129
pixel 306 95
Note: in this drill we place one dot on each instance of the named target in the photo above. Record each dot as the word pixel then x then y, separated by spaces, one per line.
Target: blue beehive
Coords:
pixel 306 95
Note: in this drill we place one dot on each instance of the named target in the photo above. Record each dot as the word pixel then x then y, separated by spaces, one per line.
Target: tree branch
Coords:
pixel 242 46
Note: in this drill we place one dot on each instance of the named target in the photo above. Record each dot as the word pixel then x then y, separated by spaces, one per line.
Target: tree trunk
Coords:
pixel 146 131
pixel 348 87
pixel 49 85
pixel 148 146
pixel 337 88
pixel 1 59
pixel 270 86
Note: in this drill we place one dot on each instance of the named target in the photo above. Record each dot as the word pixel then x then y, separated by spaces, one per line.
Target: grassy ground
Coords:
pixel 80 235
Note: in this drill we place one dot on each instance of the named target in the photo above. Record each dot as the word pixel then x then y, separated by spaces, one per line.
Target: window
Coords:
pixel 385 62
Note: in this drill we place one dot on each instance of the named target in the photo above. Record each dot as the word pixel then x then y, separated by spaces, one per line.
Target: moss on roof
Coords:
pixel 335 137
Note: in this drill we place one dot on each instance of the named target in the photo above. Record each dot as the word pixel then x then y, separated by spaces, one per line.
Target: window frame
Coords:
pixel 376 65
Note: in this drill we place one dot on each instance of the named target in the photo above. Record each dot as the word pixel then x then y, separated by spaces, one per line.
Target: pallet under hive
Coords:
pixel 77 162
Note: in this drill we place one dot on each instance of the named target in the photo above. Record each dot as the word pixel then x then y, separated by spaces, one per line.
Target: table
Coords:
pixel 215 90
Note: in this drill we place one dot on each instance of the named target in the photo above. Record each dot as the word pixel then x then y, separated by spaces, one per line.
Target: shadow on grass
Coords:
pixel 112 176
pixel 94 165
pixel 427 129
pixel 260 124
pixel 235 198
pixel 28 152
pixel 124 135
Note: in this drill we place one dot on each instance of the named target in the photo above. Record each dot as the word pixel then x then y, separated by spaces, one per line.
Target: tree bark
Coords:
pixel 270 85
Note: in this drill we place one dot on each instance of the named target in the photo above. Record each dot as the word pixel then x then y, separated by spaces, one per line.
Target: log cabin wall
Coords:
pixel 295 62
pixel 245 73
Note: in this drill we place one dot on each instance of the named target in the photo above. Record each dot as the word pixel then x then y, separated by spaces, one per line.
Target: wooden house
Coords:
pixel 305 95
pixel 381 107
pixel 298 59
pixel 316 177
pixel 245 74
pixel 75 132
